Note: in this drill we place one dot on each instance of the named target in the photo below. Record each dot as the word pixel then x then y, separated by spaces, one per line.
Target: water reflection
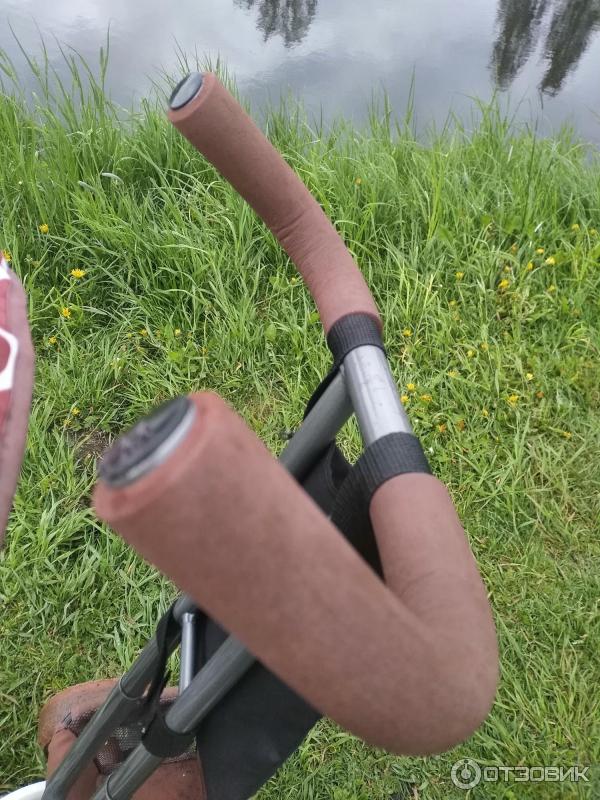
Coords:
pixel 334 55
pixel 289 18
pixel 571 28
pixel 518 21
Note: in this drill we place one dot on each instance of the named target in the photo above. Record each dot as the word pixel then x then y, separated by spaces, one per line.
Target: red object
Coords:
pixel 16 384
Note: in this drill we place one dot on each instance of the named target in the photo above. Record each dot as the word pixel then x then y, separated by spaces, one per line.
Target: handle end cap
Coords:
pixel 186 90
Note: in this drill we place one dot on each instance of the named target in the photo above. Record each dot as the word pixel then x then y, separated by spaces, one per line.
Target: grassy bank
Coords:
pixel 149 277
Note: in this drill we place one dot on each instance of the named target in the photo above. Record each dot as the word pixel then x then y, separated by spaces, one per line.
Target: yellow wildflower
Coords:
pixel 512 399
pixel 470 353
pixel 453 373
pixel 44 228
pixel 540 251
pixel 574 227
pixel 65 312
pixel 485 412
pixel 529 266
pixel 75 411
pixel 484 346
pixel 7 255
pixel 529 376
pixel 77 273
pixel 404 398
pixel 407 332
pixel 552 288
pixel 550 261
pixel 293 280
pixel 504 284
pixel 177 332
pixel 143 332
pixel 358 181
pixel 452 303
pixel 442 427
pixel 52 340
pixel 567 434
pixel 459 276
pixel 411 387
pixel 461 425
pixel 426 398
pixel 507 268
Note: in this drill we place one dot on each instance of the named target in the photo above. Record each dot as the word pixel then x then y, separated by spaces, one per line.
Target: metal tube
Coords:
pixel 214 680
pixel 373 394
pixel 121 785
pixel 121 702
pixel 188 650
pixel 321 425
pixel 134 681
pixel 116 708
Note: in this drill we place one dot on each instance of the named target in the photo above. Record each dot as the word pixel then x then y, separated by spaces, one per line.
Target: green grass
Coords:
pixel 168 248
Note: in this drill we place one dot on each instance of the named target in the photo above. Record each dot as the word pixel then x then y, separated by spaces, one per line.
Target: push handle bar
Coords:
pixel 409 665
pixel 204 111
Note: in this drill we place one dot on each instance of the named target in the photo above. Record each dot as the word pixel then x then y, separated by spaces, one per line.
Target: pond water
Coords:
pixel 543 55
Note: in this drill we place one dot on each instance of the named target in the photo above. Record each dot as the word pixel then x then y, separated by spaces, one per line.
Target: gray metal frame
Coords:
pixel 363 386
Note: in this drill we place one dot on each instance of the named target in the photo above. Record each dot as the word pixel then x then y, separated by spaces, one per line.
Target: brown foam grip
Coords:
pixel 410 666
pixel 220 129
pixel 15 402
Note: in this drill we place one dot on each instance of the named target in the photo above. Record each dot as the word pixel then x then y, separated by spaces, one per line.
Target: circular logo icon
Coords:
pixel 466 773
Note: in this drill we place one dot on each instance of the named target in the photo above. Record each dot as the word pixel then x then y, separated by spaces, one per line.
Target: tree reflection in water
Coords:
pixel 519 23
pixel 289 18
pixel 572 26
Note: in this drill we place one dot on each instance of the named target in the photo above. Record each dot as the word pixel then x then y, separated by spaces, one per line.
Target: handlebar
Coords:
pixel 204 111
pixel 409 665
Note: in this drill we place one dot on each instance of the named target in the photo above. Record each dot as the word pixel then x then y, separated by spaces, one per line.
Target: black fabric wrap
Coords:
pixel 164 742
pixel 353 330
pixel 157 738
pixel 394 454
pixel 167 631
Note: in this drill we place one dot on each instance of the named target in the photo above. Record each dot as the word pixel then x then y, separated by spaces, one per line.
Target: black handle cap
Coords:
pixel 132 454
